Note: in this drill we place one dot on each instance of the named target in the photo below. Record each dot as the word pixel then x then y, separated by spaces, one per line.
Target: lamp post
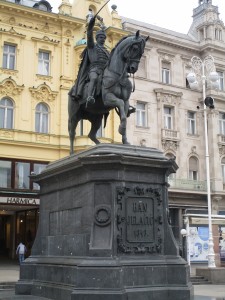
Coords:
pixel 204 71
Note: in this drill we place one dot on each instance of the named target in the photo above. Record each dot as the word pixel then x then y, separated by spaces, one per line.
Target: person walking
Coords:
pixel 21 250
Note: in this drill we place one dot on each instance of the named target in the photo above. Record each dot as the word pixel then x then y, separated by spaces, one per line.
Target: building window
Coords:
pixel 6 113
pixel 221 80
pixel 222 123
pixel 41 118
pixel 15 174
pixel 193 168
pixel 101 131
pixel 44 63
pixel 191 126
pixel 187 84
pixel 5 174
pixel 168 117
pixel 141 119
pixel 166 72
pixel 223 169
pixel 165 76
pixel 22 173
pixel 201 34
pixel 43 7
pixel 9 57
pixel 218 34
pixel 81 127
pixel 37 169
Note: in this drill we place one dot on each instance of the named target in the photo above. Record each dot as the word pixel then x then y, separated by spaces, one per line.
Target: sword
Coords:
pixel 101 9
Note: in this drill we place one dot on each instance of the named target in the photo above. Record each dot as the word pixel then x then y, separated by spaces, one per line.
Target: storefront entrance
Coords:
pixel 16 226
pixel 6 238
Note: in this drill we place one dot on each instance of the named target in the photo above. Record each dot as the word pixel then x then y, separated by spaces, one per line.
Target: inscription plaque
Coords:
pixel 139 220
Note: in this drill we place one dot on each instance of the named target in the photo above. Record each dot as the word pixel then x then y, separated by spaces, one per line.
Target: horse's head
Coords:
pixel 133 52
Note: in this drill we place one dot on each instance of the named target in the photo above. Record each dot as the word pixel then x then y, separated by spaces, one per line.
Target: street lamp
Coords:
pixel 204 71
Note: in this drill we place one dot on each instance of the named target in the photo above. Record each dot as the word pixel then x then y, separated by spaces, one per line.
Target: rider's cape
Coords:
pixel 77 89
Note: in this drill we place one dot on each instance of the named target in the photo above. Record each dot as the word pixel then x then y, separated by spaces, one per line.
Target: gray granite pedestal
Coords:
pixel 104 230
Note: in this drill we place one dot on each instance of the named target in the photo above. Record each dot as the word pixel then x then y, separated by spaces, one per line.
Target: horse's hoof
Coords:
pixel 125 142
pixel 93 138
pixel 122 130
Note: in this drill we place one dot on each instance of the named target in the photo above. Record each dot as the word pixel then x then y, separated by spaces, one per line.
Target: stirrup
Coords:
pixel 90 100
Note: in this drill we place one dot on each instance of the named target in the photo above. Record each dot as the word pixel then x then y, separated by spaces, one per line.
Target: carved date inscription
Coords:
pixel 139 220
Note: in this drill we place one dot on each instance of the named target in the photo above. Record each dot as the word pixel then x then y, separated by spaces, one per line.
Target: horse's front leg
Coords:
pixel 73 108
pixel 112 101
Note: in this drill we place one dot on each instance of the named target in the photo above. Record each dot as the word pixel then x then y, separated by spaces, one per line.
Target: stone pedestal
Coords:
pixel 104 230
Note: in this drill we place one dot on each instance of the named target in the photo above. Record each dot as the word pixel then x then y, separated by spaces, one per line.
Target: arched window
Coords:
pixel 43 5
pixel 6 113
pixel 223 169
pixel 41 118
pixel 193 168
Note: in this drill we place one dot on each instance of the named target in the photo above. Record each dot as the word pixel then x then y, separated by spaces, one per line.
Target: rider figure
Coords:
pixel 94 61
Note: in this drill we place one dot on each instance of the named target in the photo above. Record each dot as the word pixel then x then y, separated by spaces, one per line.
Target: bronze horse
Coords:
pixel 115 92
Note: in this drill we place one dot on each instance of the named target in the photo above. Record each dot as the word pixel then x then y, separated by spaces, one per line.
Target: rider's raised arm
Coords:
pixel 90 37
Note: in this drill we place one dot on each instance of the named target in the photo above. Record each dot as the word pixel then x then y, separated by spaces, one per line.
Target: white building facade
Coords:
pixel 169 116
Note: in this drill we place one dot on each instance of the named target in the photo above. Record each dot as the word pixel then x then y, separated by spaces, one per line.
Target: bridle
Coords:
pixel 128 59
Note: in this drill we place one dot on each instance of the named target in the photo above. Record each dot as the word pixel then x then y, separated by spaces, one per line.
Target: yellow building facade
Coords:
pixel 39 59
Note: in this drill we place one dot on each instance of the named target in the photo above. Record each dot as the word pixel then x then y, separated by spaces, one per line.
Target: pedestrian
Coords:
pixel 21 250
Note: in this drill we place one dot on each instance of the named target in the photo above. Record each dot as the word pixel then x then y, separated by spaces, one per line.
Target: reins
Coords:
pixel 121 76
pixel 133 84
pixel 127 63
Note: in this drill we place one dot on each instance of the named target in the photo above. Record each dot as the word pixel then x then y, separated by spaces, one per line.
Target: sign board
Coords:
pixel 19 201
pixel 198 243
pixel 205 221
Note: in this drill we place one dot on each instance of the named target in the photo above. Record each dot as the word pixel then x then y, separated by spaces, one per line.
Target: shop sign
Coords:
pixel 19 201
pixel 222 244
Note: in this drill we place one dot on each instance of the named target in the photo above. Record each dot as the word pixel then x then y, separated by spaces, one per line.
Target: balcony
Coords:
pixel 169 134
pixel 221 139
pixel 185 184
pixel 170 139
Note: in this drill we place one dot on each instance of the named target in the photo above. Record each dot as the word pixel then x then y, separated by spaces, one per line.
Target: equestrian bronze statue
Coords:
pixel 103 83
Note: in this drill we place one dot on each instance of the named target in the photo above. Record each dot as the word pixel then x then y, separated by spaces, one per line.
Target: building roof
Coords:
pixel 156 28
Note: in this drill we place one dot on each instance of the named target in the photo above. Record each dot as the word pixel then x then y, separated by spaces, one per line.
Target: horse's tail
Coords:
pixel 105 118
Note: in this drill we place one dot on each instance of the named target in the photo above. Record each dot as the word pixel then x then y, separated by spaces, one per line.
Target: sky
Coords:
pixel 174 14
